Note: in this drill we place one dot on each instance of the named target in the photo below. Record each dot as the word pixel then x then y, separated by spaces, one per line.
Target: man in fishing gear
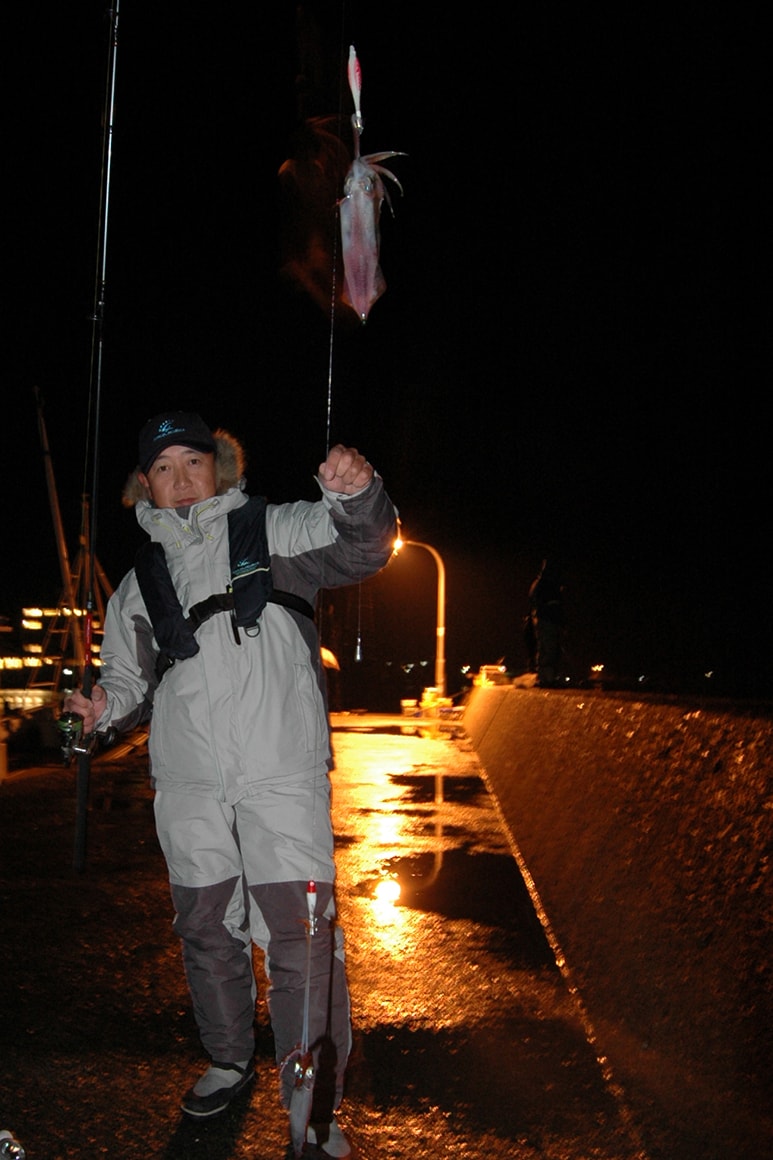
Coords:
pixel 213 628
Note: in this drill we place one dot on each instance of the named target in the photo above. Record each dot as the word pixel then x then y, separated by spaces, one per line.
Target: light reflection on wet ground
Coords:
pixel 466 1041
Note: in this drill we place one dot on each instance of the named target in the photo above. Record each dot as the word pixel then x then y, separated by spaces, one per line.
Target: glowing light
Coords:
pixel 393 927
pixel 440 626
pixel 387 891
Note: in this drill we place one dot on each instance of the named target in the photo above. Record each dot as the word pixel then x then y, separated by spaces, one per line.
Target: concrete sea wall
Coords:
pixel 646 826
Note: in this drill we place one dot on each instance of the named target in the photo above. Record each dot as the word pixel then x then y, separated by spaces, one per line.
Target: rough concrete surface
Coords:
pixel 646 829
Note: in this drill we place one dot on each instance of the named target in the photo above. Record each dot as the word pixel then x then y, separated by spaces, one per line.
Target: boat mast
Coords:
pixel 72 631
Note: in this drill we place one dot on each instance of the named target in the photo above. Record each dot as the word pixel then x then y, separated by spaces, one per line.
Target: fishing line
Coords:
pixel 342 73
pixel 333 285
pixel 328 420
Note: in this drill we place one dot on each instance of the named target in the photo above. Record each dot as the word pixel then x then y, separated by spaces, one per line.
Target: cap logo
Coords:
pixel 173 427
pixel 165 428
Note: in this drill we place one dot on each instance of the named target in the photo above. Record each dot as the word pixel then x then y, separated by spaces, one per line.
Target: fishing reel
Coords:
pixel 11 1147
pixel 72 739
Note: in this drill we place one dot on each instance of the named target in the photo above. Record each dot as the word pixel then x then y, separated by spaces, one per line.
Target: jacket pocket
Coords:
pixel 311 708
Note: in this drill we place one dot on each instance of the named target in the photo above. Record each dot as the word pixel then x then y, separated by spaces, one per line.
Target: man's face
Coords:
pixel 180 477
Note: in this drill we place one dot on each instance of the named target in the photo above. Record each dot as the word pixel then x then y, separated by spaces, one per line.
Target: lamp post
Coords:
pixel 440 644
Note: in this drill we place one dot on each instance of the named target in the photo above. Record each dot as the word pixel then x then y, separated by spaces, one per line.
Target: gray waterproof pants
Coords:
pixel 239 875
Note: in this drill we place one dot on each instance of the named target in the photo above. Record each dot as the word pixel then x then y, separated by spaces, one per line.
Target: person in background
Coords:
pixel 529 642
pixel 213 630
pixel 546 609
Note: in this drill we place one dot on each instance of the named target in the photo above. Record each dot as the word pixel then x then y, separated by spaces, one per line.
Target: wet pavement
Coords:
pixel 467 1040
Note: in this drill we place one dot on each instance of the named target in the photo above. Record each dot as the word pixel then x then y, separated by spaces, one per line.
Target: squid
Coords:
pixel 360 210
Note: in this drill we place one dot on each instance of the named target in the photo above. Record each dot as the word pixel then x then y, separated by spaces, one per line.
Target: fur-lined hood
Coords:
pixel 230 463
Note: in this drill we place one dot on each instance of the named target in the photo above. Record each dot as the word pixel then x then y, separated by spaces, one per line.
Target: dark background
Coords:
pixel 554 368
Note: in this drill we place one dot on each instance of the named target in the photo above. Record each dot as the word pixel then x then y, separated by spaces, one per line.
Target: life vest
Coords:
pixel 249 591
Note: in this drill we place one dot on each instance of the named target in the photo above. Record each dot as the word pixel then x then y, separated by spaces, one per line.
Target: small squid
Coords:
pixel 360 209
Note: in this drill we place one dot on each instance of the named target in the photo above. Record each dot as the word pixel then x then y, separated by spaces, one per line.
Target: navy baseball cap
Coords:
pixel 171 428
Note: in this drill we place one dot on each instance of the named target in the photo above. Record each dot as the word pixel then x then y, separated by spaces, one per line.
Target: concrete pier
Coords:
pixel 645 827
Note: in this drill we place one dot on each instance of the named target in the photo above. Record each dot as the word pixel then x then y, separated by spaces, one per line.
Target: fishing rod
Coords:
pixel 71 724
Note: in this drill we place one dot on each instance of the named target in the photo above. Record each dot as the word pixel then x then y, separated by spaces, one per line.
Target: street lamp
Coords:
pixel 440 645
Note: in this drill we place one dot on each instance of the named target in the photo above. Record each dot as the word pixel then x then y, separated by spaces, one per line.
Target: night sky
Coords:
pixel 552 370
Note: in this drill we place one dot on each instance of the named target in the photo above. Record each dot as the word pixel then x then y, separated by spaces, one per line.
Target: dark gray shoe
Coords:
pixel 218 1100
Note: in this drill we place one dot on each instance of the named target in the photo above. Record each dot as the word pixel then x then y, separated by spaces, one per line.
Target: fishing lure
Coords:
pixel 301 1059
pixel 360 210
pixel 301 1098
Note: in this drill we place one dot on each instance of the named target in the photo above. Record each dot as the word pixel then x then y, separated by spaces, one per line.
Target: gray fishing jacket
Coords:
pixel 236 715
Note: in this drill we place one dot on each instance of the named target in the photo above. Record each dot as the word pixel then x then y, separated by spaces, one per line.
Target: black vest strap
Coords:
pixel 250 560
pixel 290 600
pixel 218 602
pixel 250 590
pixel 174 633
